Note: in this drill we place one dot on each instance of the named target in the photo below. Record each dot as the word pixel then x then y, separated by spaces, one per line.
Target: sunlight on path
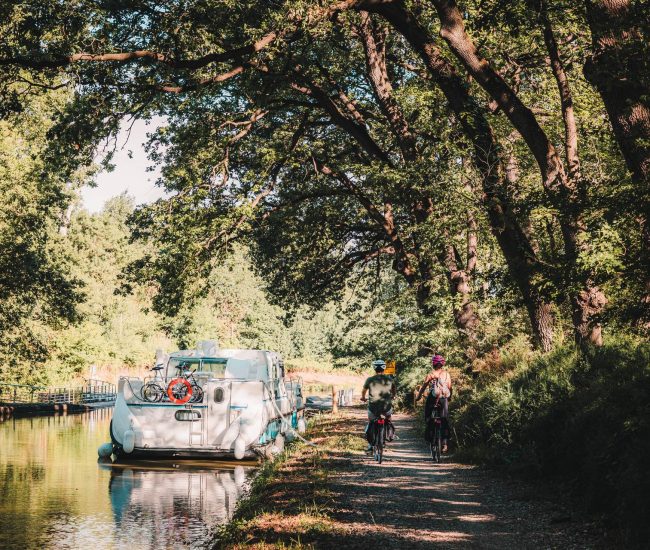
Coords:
pixel 410 502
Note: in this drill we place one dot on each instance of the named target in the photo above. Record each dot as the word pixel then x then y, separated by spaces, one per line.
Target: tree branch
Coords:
pixel 566 98
pixel 351 126
pixel 375 49
pixel 158 57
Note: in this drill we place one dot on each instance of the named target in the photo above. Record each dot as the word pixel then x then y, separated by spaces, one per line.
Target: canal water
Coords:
pixel 55 494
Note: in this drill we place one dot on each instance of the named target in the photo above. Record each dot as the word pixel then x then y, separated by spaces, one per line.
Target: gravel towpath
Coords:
pixel 410 502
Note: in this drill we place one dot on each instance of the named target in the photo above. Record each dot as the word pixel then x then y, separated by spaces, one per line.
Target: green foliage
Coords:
pixel 113 330
pixel 121 330
pixel 603 255
pixel 580 419
pixel 235 309
pixel 289 186
pixel 245 146
pixel 37 291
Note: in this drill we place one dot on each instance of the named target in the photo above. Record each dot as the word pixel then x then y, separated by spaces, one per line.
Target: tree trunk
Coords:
pixel 452 29
pixel 541 319
pixel 566 97
pixel 619 69
pixel 587 305
pixel 515 246
pixel 465 316
pixel 374 41
pixel 460 279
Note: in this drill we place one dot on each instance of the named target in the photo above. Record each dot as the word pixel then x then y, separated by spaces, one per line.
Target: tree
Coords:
pixel 619 68
pixel 37 292
pixel 293 88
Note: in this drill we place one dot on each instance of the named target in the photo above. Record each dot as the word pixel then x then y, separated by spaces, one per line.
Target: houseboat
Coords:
pixel 207 402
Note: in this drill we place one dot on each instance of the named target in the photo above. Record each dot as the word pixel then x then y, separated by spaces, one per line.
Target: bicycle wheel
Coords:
pixel 197 394
pixel 379 442
pixel 152 393
pixel 437 447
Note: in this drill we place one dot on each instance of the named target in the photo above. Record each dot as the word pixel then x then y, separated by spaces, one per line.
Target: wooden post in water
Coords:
pixel 335 400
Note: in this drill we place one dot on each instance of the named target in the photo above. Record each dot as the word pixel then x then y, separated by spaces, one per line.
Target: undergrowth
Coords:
pixel 581 419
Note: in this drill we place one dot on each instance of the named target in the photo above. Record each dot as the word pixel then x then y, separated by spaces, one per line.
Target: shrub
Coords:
pixel 583 419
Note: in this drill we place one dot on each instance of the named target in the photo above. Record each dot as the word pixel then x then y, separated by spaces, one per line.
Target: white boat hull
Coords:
pixel 238 418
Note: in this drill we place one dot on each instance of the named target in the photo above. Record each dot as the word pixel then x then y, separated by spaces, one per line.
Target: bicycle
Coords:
pixel 184 382
pixel 436 441
pixel 153 391
pixel 378 438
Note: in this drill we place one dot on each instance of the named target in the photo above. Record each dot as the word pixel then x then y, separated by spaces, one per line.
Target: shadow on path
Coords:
pixel 410 502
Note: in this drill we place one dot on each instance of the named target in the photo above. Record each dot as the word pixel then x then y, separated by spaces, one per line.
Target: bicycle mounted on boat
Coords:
pixel 182 389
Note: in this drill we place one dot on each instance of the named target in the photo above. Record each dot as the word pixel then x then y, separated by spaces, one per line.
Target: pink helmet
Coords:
pixel 437 360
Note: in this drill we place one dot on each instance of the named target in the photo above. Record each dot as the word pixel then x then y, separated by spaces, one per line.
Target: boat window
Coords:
pixel 185 415
pixel 214 366
pixel 218 395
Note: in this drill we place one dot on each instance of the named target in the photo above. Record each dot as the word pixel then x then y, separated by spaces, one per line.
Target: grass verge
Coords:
pixel 581 420
pixel 289 504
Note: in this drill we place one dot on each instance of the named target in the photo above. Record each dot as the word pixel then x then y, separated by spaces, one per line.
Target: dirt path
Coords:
pixel 409 502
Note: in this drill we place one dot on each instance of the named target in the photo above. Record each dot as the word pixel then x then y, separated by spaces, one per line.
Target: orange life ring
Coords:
pixel 170 392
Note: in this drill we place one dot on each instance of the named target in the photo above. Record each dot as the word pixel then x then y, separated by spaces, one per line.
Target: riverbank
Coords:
pixel 578 419
pixel 290 502
pixel 18 410
pixel 334 496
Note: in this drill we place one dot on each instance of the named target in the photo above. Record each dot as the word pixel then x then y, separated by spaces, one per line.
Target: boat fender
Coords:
pixel 105 450
pixel 240 447
pixel 302 425
pixel 231 433
pixel 279 443
pixel 248 431
pixel 290 435
pixel 128 441
pixel 240 477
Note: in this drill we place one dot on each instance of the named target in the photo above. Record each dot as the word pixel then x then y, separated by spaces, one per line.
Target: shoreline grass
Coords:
pixel 289 503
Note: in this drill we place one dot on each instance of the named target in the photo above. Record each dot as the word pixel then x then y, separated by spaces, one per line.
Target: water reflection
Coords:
pixel 53 493
pixel 171 510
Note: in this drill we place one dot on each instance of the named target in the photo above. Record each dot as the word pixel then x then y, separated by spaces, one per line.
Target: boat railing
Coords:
pixel 139 383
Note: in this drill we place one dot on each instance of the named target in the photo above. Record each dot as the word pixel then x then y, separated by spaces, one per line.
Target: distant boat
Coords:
pixel 208 402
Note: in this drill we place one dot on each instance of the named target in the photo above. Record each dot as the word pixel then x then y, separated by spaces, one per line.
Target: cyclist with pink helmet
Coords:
pixel 438 382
